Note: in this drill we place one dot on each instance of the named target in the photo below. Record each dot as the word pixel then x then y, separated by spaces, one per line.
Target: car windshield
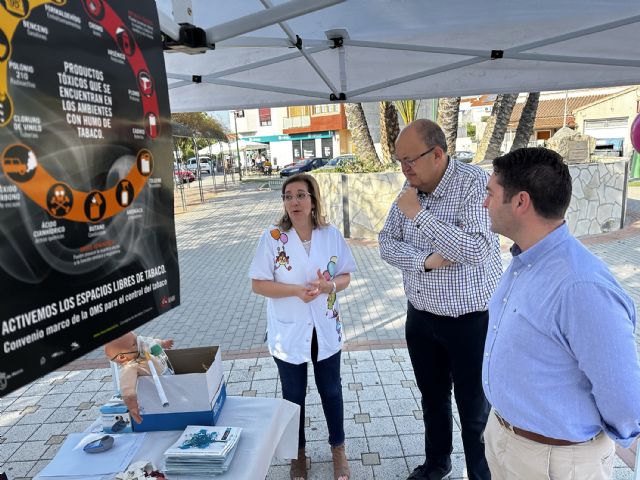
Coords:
pixel 333 162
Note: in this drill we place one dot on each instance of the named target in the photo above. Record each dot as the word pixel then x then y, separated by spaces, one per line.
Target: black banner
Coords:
pixel 87 237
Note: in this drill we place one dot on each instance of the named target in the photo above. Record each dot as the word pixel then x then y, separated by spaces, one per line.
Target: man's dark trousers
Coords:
pixel 448 351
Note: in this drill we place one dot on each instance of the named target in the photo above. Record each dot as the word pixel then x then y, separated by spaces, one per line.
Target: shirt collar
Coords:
pixel 445 181
pixel 540 249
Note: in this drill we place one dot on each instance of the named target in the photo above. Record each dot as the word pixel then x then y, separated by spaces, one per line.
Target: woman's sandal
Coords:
pixel 299 466
pixel 340 464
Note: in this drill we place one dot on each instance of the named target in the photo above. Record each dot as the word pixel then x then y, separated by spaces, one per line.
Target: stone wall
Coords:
pixel 358 203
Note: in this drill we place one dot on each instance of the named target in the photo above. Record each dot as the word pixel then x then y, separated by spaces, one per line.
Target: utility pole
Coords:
pixel 235 123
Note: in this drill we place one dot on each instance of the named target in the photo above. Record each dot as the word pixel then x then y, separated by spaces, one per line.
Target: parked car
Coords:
pixel 339 161
pixel 205 164
pixel 183 175
pixel 305 165
pixel 463 156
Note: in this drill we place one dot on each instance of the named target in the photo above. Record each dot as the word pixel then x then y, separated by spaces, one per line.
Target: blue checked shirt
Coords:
pixel 454 224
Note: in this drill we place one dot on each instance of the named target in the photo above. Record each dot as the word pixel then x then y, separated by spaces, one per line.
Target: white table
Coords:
pixel 269 428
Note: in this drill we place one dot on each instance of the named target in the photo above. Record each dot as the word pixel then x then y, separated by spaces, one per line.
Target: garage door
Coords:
pixel 607 128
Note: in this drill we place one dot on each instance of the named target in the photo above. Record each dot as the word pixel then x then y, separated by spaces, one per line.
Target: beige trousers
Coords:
pixel 512 457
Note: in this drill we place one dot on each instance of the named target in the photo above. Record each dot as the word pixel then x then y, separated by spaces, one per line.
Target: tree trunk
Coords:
pixel 496 127
pixel 389 130
pixel 527 119
pixel 360 135
pixel 448 109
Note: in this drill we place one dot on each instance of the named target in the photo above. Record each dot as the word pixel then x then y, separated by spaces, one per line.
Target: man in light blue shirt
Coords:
pixel 560 365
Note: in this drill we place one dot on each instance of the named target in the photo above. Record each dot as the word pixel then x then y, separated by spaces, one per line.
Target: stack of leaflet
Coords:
pixel 202 451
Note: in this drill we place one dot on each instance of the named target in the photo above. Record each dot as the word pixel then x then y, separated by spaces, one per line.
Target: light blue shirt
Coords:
pixel 560 356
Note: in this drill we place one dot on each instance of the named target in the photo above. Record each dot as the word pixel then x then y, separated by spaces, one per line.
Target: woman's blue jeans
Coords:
pixel 293 379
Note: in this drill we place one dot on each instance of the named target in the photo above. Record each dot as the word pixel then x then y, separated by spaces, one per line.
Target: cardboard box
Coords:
pixel 196 392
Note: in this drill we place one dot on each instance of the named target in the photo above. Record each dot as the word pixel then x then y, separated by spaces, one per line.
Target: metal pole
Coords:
pixel 566 99
pixel 176 178
pixel 195 145
pixel 235 123
pixel 211 165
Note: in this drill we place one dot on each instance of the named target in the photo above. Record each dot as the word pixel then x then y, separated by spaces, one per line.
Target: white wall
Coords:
pixel 281 152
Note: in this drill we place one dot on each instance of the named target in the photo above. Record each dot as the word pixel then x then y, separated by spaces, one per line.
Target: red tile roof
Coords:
pixel 550 113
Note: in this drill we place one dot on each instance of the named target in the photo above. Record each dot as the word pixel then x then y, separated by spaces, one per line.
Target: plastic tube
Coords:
pixel 156 379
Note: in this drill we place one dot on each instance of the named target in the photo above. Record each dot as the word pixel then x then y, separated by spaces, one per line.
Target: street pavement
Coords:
pixel 216 242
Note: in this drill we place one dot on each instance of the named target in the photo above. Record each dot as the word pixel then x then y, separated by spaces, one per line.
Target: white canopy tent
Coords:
pixel 242 145
pixel 371 50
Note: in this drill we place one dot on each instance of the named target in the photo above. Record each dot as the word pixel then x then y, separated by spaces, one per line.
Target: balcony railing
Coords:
pixel 296 122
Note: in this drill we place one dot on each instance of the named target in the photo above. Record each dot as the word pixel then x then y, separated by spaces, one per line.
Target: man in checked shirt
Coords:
pixel 439 235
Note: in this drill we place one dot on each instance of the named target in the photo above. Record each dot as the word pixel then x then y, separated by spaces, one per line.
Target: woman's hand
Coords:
pixel 321 284
pixel 307 293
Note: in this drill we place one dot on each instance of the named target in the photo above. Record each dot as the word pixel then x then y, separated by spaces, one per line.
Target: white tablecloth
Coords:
pixel 269 428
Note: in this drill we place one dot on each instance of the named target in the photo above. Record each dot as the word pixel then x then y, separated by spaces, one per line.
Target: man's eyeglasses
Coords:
pixel 287 197
pixel 122 356
pixel 411 163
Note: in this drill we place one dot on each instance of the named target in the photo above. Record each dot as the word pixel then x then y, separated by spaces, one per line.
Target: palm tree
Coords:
pixel 389 130
pixel 408 110
pixel 448 109
pixel 362 143
pixel 527 120
pixel 497 123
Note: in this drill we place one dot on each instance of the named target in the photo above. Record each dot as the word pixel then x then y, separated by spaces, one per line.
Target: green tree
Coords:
pixel 448 109
pixel 408 110
pixel 389 130
pixel 526 122
pixel 203 127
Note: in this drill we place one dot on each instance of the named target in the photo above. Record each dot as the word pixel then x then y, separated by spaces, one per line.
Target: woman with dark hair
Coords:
pixel 300 265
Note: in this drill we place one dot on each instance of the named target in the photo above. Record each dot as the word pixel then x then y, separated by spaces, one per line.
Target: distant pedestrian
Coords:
pixel 300 265
pixel 561 366
pixel 439 216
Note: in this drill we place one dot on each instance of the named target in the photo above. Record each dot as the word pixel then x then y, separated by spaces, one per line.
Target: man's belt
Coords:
pixel 536 437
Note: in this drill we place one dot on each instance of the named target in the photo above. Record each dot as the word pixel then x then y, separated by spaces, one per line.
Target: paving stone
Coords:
pixel 47 430
pixel 249 393
pixel 56 439
pixel 391 469
pixel 376 408
pixel 29 451
pixel 17 470
pixel 387 446
pixel 380 426
pixel 39 417
pixel 20 433
pixel 371 458
pixel 362 418
pixel 355 386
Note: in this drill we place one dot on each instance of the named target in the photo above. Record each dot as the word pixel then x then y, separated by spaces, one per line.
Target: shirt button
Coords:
pixel 486 382
pixel 495 327
pixel 427 207
pixel 417 225
pixel 529 266
pixel 504 300
pixel 486 354
pixel 515 274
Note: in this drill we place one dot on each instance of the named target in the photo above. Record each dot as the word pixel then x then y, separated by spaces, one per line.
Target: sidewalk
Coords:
pixel 216 241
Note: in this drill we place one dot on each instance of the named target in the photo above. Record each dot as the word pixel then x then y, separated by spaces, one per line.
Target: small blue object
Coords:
pixel 100 445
